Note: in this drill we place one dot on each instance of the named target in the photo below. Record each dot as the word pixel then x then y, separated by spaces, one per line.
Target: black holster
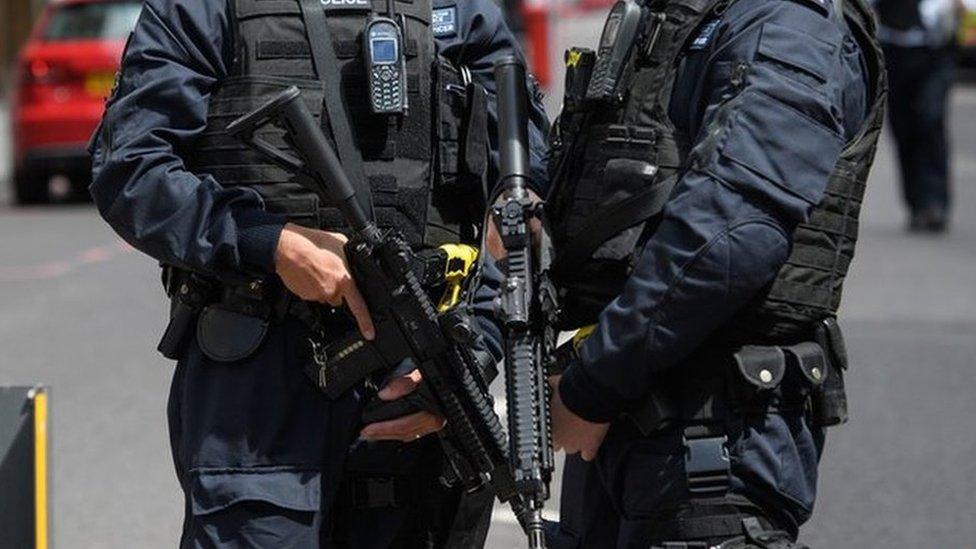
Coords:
pixel 829 404
pixel 189 293
pixel 230 321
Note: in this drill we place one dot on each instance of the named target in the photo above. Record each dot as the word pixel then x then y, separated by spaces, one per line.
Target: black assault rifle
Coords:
pixel 408 325
pixel 527 306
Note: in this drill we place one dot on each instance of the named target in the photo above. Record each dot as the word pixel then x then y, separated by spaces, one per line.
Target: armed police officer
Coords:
pixel 405 93
pixel 708 170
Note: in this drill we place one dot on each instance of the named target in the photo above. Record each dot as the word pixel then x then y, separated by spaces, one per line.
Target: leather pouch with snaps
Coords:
pixel 763 368
pixel 226 335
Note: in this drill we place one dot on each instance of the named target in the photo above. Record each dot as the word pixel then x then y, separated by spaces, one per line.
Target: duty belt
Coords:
pixel 712 393
pixel 442 270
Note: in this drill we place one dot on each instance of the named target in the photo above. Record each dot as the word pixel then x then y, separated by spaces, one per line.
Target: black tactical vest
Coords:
pixel 807 289
pixel 615 165
pixel 426 170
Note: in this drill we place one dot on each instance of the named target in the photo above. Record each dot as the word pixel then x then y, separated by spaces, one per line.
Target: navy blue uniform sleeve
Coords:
pixel 177 53
pixel 479 38
pixel 772 126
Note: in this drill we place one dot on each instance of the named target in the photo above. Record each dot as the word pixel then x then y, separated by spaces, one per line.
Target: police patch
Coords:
pixel 705 35
pixel 343 5
pixel 445 22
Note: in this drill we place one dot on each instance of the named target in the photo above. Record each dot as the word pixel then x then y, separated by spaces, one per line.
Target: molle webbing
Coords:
pixel 273 53
pixel 621 166
pixel 808 287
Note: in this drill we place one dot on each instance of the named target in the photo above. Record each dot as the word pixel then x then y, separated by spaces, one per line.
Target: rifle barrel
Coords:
pixel 513 113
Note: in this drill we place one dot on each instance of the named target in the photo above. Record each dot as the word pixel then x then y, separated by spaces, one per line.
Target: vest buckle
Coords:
pixel 707 464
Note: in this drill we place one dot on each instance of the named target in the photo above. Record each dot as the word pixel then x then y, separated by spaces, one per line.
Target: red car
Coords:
pixel 62 77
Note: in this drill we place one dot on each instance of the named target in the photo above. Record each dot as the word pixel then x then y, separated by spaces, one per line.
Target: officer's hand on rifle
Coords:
pixel 572 433
pixel 407 428
pixel 312 265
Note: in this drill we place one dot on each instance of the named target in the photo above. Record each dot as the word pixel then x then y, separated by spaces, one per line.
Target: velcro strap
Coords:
pixel 802 294
pixel 348 49
pixel 704 527
pixel 822 220
pixel 819 258
pixel 846 185
pixel 278 49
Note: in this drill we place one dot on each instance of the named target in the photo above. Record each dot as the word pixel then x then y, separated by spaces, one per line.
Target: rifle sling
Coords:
pixel 327 67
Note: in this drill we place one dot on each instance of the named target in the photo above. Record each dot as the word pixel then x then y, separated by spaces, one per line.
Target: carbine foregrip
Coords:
pixel 530 446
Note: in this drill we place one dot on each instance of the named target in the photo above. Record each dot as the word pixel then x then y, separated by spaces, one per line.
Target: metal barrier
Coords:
pixel 24 472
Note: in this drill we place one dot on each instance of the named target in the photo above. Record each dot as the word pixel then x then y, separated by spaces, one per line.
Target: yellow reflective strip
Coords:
pixel 40 469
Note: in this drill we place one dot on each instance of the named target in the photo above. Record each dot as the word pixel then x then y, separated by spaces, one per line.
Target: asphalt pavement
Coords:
pixel 83 312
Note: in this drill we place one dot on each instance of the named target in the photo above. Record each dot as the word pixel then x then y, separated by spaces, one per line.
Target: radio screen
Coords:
pixel 384 51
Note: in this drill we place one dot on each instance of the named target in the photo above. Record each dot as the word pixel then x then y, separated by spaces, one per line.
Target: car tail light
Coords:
pixel 42 81
pixel 39 71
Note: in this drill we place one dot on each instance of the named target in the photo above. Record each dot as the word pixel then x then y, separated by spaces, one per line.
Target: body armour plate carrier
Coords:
pixel 426 169
pixel 615 164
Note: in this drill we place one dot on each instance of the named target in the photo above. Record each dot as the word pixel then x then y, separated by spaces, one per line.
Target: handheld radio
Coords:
pixel 386 66
pixel 620 34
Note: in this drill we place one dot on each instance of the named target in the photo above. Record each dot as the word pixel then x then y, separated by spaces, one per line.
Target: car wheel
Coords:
pixel 29 190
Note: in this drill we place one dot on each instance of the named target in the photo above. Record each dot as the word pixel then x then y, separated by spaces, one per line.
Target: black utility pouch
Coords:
pixel 189 294
pixel 829 402
pixel 761 368
pixel 181 322
pixel 462 132
pixel 228 332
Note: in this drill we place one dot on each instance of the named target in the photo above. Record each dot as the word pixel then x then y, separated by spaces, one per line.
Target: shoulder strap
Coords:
pixel 613 220
pixel 327 68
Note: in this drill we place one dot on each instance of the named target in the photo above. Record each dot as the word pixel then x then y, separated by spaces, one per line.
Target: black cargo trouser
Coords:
pixel 265 460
